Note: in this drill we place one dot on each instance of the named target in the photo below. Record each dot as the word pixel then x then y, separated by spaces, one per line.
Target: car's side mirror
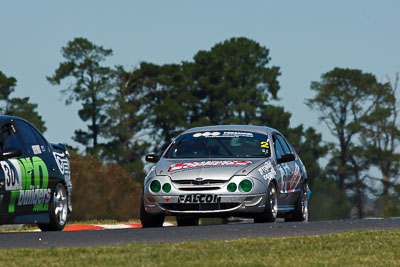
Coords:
pixel 286 158
pixel 11 153
pixel 153 158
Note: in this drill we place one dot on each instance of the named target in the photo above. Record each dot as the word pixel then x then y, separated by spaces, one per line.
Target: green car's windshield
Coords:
pixel 220 144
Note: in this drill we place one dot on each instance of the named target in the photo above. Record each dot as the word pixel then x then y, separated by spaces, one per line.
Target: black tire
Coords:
pixel 150 220
pixel 58 210
pixel 271 206
pixel 300 213
pixel 187 221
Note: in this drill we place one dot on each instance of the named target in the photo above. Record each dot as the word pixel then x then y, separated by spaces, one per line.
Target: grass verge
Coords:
pixel 359 248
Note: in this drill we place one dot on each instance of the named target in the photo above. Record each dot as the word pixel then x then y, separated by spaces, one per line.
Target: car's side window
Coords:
pixel 13 141
pixel 290 147
pixel 284 145
pixel 31 144
pixel 278 148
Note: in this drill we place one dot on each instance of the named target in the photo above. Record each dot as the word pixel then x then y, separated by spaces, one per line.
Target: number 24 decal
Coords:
pixel 265 144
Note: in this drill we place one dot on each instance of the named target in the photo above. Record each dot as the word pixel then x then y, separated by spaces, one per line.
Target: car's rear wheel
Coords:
pixel 150 220
pixel 187 221
pixel 58 210
pixel 271 206
pixel 300 212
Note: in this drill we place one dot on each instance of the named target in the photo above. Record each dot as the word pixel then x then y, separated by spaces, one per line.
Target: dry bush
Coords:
pixel 102 191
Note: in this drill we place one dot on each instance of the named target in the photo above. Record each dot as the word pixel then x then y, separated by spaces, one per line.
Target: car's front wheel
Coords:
pixel 150 220
pixel 271 206
pixel 58 210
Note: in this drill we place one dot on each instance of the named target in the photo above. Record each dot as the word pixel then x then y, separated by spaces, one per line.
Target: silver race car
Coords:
pixel 223 171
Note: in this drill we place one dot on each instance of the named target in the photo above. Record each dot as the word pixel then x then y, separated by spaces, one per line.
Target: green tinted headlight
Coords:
pixel 155 186
pixel 166 187
pixel 245 185
pixel 232 187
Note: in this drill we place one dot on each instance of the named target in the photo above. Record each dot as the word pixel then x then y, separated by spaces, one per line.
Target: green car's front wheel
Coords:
pixel 58 210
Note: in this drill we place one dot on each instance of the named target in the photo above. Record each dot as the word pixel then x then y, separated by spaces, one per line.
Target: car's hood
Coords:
pixel 214 169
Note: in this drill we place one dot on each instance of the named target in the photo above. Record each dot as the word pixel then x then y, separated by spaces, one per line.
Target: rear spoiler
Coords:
pixel 61 147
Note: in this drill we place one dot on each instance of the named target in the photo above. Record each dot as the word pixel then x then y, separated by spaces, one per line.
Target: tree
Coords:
pixel 344 98
pixel 170 103
pixel 124 123
pixel 234 82
pixel 20 107
pixel 380 135
pixel 7 86
pixel 380 138
pixel 90 86
pixel 231 83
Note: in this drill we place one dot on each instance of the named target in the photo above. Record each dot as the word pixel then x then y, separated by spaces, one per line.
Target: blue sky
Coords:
pixel 305 38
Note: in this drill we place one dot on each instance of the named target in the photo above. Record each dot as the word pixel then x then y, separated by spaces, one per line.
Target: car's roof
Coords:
pixel 246 128
pixel 8 117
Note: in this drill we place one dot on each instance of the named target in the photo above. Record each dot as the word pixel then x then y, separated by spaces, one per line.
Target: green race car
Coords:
pixel 35 177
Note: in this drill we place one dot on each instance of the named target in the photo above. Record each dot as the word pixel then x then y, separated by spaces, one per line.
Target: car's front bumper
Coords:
pixel 203 204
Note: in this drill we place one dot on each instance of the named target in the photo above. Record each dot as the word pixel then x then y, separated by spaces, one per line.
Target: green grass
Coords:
pixel 360 248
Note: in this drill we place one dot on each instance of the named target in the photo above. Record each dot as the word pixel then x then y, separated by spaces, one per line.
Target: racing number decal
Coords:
pixel 265 144
pixel 9 176
pixel 12 174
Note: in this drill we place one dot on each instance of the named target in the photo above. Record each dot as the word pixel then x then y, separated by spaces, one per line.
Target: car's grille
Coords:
pixel 203 182
pixel 193 185
pixel 200 206
pixel 199 188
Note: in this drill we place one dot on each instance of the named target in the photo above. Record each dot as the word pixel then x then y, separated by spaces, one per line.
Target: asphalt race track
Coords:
pixel 189 233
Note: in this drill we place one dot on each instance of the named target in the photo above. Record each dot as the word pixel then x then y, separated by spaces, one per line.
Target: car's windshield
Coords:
pixel 220 144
